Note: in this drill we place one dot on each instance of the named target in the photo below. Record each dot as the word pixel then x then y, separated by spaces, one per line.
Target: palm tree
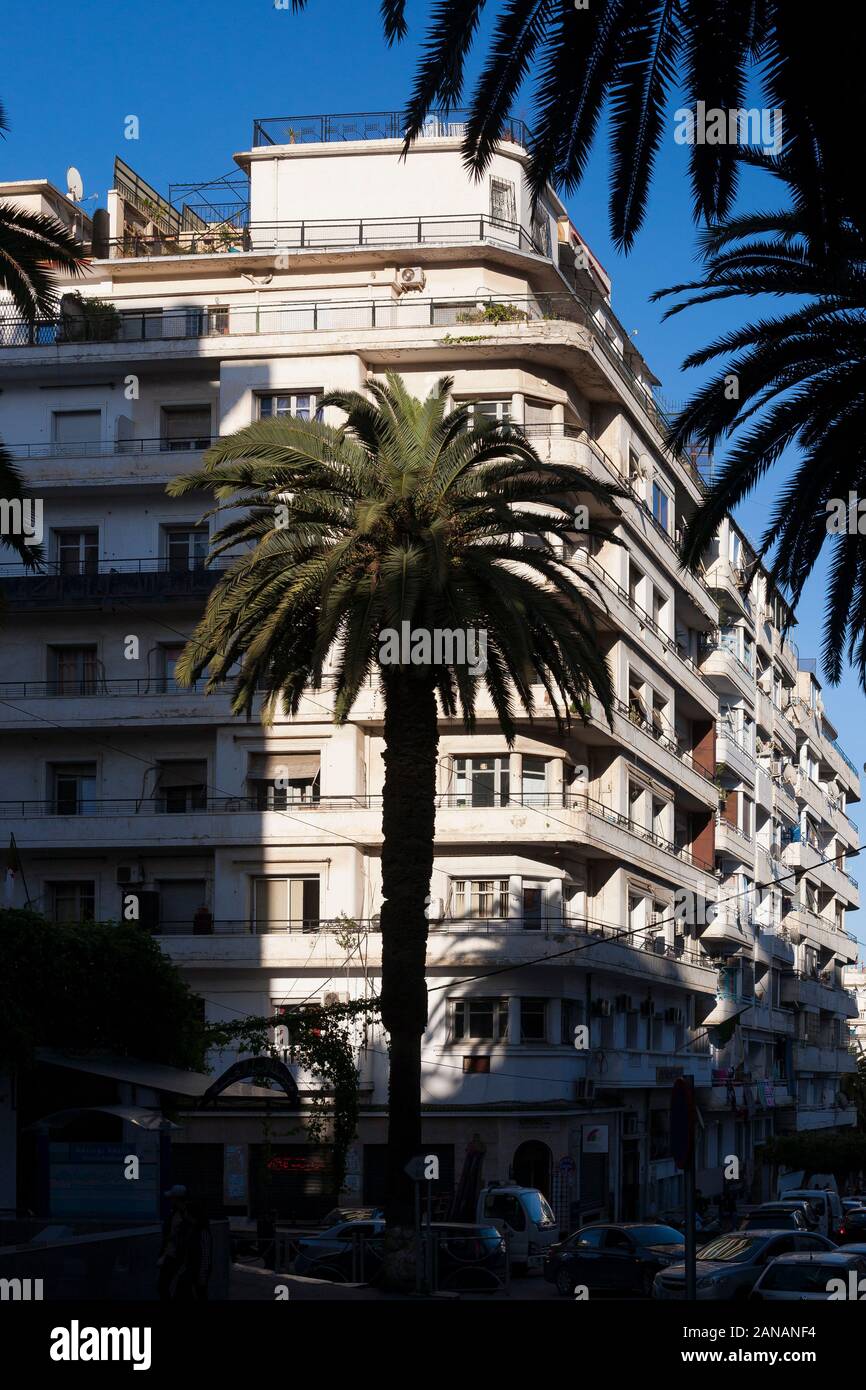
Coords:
pixel 793 380
pixel 632 58
pixel 32 246
pixel 407 513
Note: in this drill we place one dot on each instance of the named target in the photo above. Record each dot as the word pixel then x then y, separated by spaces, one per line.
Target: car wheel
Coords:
pixel 565 1283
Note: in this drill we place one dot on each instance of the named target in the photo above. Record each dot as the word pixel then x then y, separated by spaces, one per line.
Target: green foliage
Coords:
pixel 95 986
pixel 494 313
pixel 322 1040
pixel 816 1152
pixel 787 388
pixel 409 511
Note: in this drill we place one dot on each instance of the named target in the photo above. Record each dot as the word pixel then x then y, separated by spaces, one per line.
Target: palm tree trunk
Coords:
pixel 408 821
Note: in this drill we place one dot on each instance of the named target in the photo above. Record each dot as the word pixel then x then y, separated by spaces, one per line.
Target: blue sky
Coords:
pixel 197 75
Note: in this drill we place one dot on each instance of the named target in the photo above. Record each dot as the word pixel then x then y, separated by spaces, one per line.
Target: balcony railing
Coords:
pixel 550 924
pixel 106 579
pixel 371 125
pixel 329 234
pixel 109 448
pixel 232 805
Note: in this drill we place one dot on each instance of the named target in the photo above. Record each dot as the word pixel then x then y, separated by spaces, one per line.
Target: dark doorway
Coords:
pixel 533 1166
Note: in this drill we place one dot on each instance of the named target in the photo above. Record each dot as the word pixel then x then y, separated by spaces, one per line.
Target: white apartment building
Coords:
pixel 325 263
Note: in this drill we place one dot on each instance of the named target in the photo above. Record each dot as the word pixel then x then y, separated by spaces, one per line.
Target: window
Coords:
pixel 185 427
pixel 286 904
pixel 481 1019
pixel 735 549
pixel 494 411
pixel 537 413
pixel 77 552
pixel 481 781
pixel 660 723
pixel 659 612
pixel 503 200
pixel 541 230
pixel 634 469
pixel 182 787
pixel 481 898
pixel 533 905
pixel 533 1020
pixel 302 405
pixel 636 577
pixel 75 430
pixel 660 815
pixel 72 901
pixel 73 670
pixel 534 781
pixel 501 1207
pixel 185 547
pixel 179 901
pixel 74 789
pixel 571 1017
pixel 279 780
pixel 662 507
pixel 168 655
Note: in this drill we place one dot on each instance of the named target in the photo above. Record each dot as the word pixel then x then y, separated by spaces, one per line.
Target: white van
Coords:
pixel 525 1219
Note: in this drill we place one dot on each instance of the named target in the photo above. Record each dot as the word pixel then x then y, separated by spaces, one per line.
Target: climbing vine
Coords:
pixel 322 1039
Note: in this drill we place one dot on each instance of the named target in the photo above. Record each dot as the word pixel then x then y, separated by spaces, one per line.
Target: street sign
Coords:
pixel 423 1168
pixel 682 1121
pixel 567 1166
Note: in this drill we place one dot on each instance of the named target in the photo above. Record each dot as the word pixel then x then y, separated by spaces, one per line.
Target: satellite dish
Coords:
pixel 74 184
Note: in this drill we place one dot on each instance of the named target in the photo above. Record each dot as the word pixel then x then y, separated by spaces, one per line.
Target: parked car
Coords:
pixel 807 1275
pixel 706 1227
pixel 348 1251
pixel 729 1266
pixel 853 1203
pixel 625 1257
pixel 523 1217
pixel 853 1226
pixel 778 1216
pixel 338 1214
pixel 826 1204
pixel 466 1256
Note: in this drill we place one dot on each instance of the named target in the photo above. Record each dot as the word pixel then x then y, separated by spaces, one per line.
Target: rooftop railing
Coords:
pixel 371 125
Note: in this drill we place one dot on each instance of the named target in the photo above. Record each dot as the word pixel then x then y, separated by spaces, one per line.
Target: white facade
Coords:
pixel 115 778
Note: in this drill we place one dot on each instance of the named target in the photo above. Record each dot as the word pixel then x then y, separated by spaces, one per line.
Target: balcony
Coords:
pixel 727 934
pixel 373 125
pixel 732 754
pixel 724 669
pixel 624 1070
pixel 154 461
pixel 810 1057
pixel 733 841
pixel 145 580
pixel 811 991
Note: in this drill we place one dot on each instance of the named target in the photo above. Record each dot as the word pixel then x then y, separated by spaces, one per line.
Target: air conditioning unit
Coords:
pixel 410 277
pixel 435 910
pixel 584 1089
pixel 128 873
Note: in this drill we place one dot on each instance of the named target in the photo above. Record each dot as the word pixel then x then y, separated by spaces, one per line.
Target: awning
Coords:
pixel 723 1012
pixel 182 774
pixel 292 767
pixel 133 1114
pixel 152 1074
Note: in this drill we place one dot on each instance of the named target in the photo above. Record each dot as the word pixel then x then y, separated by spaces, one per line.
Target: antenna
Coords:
pixel 74 185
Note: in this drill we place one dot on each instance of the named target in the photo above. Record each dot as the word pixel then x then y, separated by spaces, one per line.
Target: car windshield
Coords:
pixel 770 1221
pixel 733 1248
pixel 537 1209
pixel 656 1235
pixel 801 1278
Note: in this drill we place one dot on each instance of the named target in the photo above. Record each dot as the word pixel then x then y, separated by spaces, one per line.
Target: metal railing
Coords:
pixel 128 806
pixel 109 448
pixel 327 234
pixel 332 128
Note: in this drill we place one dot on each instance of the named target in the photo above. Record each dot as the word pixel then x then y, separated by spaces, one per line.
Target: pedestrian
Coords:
pixel 175 1236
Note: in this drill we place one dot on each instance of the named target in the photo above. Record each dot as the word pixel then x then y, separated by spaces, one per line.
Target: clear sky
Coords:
pixel 196 76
